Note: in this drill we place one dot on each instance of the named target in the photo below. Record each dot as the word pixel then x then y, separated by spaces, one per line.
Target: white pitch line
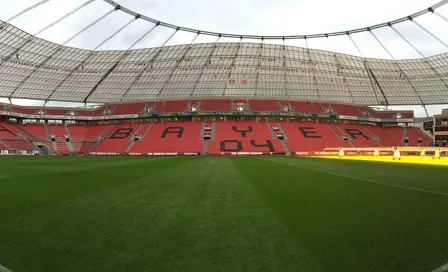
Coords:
pixel 368 180
pixel 443 268
pixel 4 269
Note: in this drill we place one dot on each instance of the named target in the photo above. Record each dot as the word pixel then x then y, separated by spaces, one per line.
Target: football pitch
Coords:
pixel 221 214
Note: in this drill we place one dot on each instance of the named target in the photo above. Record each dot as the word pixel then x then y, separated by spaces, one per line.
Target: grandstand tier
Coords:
pixel 244 136
pixel 215 126
pixel 214 137
pixel 206 105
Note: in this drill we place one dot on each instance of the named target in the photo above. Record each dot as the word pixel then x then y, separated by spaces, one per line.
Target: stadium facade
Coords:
pixel 221 80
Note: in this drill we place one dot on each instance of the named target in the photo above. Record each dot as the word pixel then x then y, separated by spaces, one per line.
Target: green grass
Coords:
pixel 220 214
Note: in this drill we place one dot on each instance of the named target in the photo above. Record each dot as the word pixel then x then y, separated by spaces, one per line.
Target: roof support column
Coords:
pixel 88 57
pixel 398 67
pixel 430 33
pixel 123 56
pixel 60 48
pixel 26 10
pixel 179 61
pixel 340 68
pixel 426 110
pixel 285 70
pixel 232 65
pixel 26 42
pixel 149 64
pixel 369 72
pixel 115 34
pixel 438 14
pixel 258 68
pixel 89 26
pixel 63 17
pixel 421 55
pixel 206 64
pixel 312 70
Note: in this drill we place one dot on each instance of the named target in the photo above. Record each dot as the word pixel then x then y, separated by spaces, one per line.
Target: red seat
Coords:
pixel 37 130
pixel 18 145
pixel 118 140
pixel 304 107
pixel 349 110
pixel 305 137
pixel 171 137
pixel 265 105
pixel 414 134
pixel 244 136
pixel 360 135
pixel 63 148
pixel 129 108
pixel 392 136
pixel 58 131
pixel 78 132
pixel 216 105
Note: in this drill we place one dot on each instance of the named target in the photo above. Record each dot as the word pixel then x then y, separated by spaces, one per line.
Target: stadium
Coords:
pixel 233 152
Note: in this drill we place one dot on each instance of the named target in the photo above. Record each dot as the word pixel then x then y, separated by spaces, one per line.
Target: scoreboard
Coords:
pixel 441 130
pixel 428 125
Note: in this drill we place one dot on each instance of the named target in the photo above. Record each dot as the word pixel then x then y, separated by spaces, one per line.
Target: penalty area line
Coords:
pixel 443 268
pixel 4 269
pixel 371 181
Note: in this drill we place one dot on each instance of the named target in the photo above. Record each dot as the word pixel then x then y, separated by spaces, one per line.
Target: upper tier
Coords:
pixel 209 105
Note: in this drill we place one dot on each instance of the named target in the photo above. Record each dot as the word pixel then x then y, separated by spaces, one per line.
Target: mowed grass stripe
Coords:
pixel 220 214
pixel 49 234
pixel 33 166
pixel 425 177
pixel 365 180
pixel 25 193
pixel 350 225
pixel 194 216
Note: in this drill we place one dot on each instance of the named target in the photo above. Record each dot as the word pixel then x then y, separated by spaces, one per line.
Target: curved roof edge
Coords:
pixel 268 37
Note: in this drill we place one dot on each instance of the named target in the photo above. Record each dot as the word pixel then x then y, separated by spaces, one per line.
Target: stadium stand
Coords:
pixel 303 137
pixel 17 145
pixel 414 134
pixel 63 148
pixel 78 132
pixel 349 110
pixel 171 137
pixel 53 111
pixel 171 106
pixel 37 130
pixel 359 135
pixel 94 132
pixel 129 108
pixel 391 136
pixel 395 114
pixel 118 139
pixel 265 105
pixel 58 131
pixel 216 105
pixel 244 136
pixel 83 147
pixel 305 107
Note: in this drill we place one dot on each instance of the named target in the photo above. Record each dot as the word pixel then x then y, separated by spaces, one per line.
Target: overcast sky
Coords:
pixel 261 17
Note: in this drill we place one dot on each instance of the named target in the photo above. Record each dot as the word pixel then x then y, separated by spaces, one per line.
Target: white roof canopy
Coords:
pixel 33 68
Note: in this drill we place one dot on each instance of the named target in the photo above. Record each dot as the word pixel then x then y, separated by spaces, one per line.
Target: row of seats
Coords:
pixel 208 105
pixel 231 136
pixel 251 136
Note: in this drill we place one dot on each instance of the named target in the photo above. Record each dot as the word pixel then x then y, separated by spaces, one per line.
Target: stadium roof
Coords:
pixel 33 68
